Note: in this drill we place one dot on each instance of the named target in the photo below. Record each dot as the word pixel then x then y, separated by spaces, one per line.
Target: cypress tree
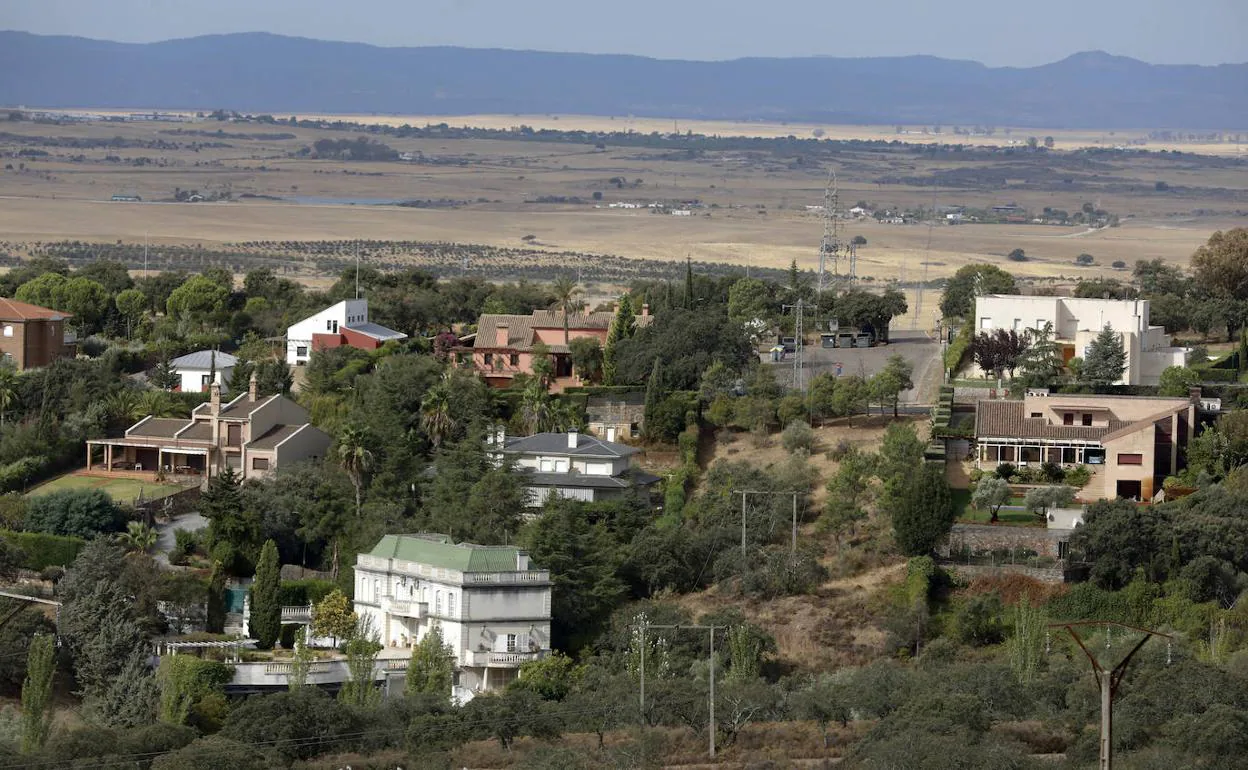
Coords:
pixel 37 694
pixel 621 329
pixel 688 283
pixel 923 513
pixel 266 607
pixel 214 620
pixel 654 395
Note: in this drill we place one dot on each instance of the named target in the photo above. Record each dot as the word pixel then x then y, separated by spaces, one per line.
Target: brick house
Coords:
pixel 32 336
pixel 503 344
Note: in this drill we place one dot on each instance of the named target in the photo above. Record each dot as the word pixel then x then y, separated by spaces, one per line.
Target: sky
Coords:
pixel 995 32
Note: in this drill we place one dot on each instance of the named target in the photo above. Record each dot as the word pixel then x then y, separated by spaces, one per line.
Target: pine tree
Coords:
pixel 432 665
pixel 165 376
pixel 688 283
pixel 265 624
pixel 240 377
pixel 621 329
pixel 37 693
pixel 654 396
pixel 214 621
pixel 1106 359
pixel 923 514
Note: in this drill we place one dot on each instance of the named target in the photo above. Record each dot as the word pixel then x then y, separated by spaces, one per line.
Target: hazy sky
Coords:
pixel 996 32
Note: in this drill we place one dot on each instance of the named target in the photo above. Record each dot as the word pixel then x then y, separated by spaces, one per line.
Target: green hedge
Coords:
pixel 15 476
pixel 1218 375
pixel 959 349
pixel 300 593
pixel 40 550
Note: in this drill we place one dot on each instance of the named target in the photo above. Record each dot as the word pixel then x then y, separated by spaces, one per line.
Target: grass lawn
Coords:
pixel 120 489
pixel 966 514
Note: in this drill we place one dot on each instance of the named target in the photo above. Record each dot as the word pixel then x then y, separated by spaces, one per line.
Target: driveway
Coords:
pixel 921 349
pixel 165 539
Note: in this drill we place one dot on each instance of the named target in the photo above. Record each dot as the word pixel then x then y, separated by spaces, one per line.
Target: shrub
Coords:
pixel 1078 477
pixel 42 550
pixel 838 452
pixel 1017 255
pixel 1119 264
pixel 78 512
pixel 1006 470
pixel 798 435
pixel 184 544
pixel 303 592
pixel 16 475
pixel 1052 472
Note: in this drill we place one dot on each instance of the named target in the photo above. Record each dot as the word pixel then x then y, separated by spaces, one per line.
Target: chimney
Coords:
pixel 214 399
pixel 645 309
pixel 500 335
pixel 572 437
pixel 253 388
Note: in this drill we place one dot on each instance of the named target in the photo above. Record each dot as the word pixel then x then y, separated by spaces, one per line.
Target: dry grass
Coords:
pixel 55 199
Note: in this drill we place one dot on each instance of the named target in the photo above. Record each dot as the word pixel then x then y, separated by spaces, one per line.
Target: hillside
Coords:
pixel 269 73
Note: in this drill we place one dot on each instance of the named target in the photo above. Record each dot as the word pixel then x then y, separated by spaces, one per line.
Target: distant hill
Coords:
pixel 263 73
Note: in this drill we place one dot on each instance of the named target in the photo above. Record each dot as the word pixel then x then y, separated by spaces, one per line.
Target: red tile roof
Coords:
pixel 12 310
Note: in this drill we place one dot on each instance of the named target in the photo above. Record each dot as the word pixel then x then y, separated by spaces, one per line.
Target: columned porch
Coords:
pixel 991 452
pixel 127 457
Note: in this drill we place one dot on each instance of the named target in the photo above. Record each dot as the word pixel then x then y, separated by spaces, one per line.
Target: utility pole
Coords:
pixel 710 669
pixel 1108 679
pixel 798 333
pixel 745 492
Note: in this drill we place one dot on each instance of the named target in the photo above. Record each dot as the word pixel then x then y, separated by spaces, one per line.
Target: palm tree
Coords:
pixel 138 537
pixel 535 407
pixel 355 458
pixel 158 403
pixel 435 414
pixel 8 389
pixel 565 297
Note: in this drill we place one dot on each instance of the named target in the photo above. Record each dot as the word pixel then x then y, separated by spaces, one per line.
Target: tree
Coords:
pixel 749 300
pixel 432 665
pixel 1178 381
pixel 869 311
pixel 165 375
pixel 923 515
pixel 228 520
pixel 586 358
pixel 824 700
pixel 889 382
pixel 1041 359
pixel 216 752
pixel 361 649
pixel 565 292
pixel 1017 255
pixel 654 396
pixel 1221 265
pixel 621 329
pixel 1039 500
pixel 1026 646
pixel 81 513
pixel 47 290
pixel 542 364
pixel 1048 142
pixel 37 693
pixel 435 415
pixel 196 299
pixel 1106 359
pixel 87 301
pixel 1084 259
pixel 274 377
pixel 8 389
pixel 265 624
pixel 301 661
pixel 990 494
pixel 214 616
pixel 958 299
pixel 848 491
pixel 333 617
pixel 689 294
pixel 355 457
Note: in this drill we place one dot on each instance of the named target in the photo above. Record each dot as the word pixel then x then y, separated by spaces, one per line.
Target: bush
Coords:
pixel 16 475
pixel 301 593
pixel 81 513
pixel 1006 470
pixel 184 544
pixel 798 435
pixel 1119 264
pixel 1078 477
pixel 1052 472
pixel 42 550
pixel 1017 255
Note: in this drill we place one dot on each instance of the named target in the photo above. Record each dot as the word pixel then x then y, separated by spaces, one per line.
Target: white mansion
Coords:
pixel 492 607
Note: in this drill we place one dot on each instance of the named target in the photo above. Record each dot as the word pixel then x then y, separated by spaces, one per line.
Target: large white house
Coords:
pixel 202 368
pixel 491 605
pixel 574 465
pixel 343 324
pixel 1076 322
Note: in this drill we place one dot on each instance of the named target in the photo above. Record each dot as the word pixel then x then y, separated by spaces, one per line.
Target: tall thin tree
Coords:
pixel 265 623
pixel 565 291
pixel 37 693
pixel 355 458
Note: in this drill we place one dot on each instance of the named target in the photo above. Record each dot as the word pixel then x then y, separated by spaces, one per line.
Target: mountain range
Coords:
pixel 265 73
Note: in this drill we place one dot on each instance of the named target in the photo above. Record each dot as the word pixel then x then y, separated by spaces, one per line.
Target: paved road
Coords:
pixel 919 348
pixel 165 539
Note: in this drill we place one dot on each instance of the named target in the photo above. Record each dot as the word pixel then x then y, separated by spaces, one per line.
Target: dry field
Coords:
pixel 755 201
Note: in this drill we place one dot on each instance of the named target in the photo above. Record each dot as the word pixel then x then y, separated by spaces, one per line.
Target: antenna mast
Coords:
pixel 829 245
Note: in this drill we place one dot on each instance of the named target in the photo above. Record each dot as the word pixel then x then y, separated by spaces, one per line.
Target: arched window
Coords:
pixel 450 604
pixel 437 603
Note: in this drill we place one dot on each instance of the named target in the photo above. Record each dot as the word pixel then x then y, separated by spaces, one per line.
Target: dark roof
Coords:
pixel 637 398
pixel 590 481
pixel 200 431
pixel 1006 419
pixel 12 310
pixel 243 406
pixel 439 551
pixel 157 427
pixel 377 331
pixel 274 436
pixel 557 444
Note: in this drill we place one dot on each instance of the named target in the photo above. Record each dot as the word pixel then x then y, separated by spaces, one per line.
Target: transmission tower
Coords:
pixel 798 308
pixel 829 245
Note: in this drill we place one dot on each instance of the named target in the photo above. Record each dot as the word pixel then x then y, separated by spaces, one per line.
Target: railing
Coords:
pixel 512 658
pixel 288 668
pixel 530 576
pixel 448 575
pixel 407 609
pixel 297 614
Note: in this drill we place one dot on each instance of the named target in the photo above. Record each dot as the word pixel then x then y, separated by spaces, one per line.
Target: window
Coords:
pixel 514 359
pixel 1087 419
pixel 259 463
pixel 1132 458
pixel 234 435
pixel 1068 418
pixel 329 326
pixel 8 330
pixel 546 465
pixel 302 350
pixel 1018 324
pixel 512 646
pixel 1040 322
pixel 1035 415
pixel 985 323
pixel 450 604
pixel 437 602
pixel 204 381
pixel 335 327
pixel 489 359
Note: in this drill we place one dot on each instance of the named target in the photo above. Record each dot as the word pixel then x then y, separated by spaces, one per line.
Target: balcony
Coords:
pixel 404 609
pixel 500 659
pixel 297 614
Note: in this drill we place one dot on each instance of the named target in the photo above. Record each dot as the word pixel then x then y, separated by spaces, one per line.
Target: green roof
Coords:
pixel 439 551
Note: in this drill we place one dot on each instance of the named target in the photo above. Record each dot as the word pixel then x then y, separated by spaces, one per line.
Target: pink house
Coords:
pixel 503 344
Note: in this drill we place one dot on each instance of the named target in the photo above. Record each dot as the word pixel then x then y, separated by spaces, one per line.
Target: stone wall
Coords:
pixel 986 537
pixel 972 571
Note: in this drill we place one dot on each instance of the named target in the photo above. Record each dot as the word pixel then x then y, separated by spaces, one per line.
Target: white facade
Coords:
pixel 490 605
pixel 194 371
pixel 574 466
pixel 1076 322
pixel 328 321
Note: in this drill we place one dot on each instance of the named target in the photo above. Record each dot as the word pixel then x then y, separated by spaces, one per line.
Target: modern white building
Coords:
pixel 1076 322
pixel 196 370
pixel 576 466
pixel 491 606
pixel 343 324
